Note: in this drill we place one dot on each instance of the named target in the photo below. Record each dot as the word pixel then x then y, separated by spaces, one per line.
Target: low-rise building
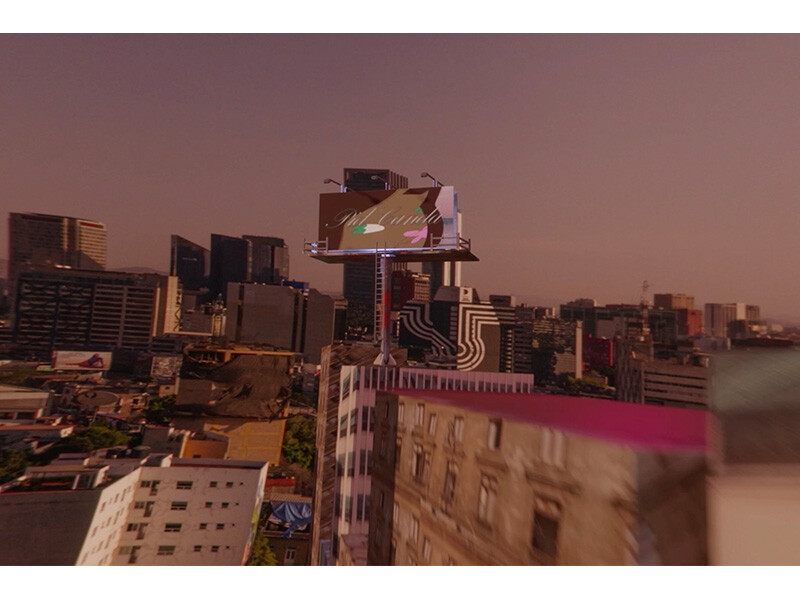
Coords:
pixel 24 404
pixel 122 509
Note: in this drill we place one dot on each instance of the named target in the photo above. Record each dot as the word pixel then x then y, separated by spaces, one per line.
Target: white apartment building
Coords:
pixel 354 446
pixel 155 510
pixel 193 511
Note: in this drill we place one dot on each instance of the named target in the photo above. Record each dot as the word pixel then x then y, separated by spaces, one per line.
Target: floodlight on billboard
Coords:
pixel 415 223
pixel 68 360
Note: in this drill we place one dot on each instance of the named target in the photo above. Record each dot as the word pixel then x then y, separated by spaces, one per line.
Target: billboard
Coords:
pixel 409 222
pixel 70 360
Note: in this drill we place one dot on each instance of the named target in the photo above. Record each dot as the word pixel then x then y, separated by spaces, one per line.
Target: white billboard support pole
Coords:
pixel 383 307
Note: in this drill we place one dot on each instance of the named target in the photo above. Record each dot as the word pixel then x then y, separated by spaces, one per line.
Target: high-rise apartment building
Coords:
pixel 37 241
pixel 489 478
pixel 74 309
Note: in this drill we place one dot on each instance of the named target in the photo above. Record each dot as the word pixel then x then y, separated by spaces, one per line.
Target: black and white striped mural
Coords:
pixel 475 333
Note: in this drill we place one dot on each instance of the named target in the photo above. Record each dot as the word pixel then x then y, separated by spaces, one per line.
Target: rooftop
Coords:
pixel 221 463
pixel 643 427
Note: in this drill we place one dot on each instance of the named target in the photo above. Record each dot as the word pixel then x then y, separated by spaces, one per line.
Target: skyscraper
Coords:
pixel 37 240
pixel 269 259
pixel 248 259
pixel 229 263
pixel 189 262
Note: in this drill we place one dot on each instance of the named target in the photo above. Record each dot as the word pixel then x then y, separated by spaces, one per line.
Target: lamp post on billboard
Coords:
pixel 436 182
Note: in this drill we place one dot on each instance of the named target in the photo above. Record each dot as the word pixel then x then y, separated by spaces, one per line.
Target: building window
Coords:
pixel 146 484
pixel 414 532
pixel 354 420
pixel 133 526
pixel 209 504
pixel 229 484
pixel 545 534
pixel 419 418
pixel 226 504
pixel 362 462
pixel 458 428
pixel 203 525
pixel 369 462
pixel 198 548
pixel 486 498
pixel 364 418
pixel 213 484
pixel 372 418
pixel 366 507
pixel 449 484
pixel 220 525
pixel 553 448
pixel 340 465
pixel 360 507
pixel 215 548
pixel 351 464
pixel 172 527
pixel 125 549
pixel 495 429
pixel 184 485
pixel 426 549
pixel 432 424
pixel 343 426
pixel 138 505
pixel 420 465
pixel 179 506
pixel 348 509
pixel 166 550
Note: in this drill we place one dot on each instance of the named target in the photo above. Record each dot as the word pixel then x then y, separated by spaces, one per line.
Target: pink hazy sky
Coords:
pixel 584 164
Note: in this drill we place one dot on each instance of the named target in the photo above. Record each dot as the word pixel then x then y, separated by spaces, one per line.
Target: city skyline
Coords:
pixel 584 164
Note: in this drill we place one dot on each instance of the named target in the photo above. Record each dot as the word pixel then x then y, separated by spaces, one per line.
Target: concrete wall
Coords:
pixel 587 486
pixel 753 516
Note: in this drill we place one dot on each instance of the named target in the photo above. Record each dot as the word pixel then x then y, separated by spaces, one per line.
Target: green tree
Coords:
pixel 160 411
pixel 97 435
pixel 300 440
pixel 261 555
pixel 12 464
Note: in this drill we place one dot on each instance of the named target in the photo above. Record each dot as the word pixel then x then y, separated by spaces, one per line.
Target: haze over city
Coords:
pixel 584 164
